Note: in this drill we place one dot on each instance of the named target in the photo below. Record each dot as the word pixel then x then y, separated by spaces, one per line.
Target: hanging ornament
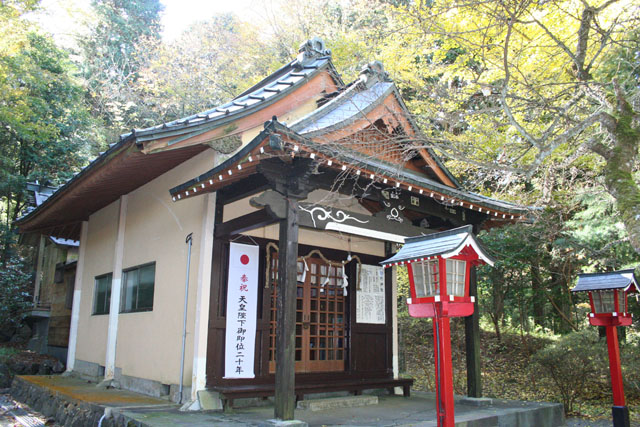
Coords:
pixel 304 270
pixel 345 281
pixel 325 283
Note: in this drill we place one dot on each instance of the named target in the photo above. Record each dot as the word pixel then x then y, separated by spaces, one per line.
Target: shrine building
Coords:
pixel 302 180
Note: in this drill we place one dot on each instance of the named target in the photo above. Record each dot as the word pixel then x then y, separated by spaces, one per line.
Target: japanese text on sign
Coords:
pixel 242 295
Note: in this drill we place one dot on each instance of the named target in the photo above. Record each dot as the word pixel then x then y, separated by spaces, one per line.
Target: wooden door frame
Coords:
pixel 217 321
pixel 307 364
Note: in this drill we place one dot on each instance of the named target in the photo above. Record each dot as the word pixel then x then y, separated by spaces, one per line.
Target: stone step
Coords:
pixel 337 402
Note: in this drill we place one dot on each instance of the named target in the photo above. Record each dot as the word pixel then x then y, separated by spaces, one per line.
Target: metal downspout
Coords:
pixel 189 242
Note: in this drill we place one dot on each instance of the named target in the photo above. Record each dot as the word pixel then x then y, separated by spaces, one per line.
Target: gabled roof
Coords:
pixel 354 104
pixel 349 106
pixel 145 154
pixel 127 164
pixel 279 140
pixel 621 279
pixel 37 194
pixel 445 244
pixel 312 59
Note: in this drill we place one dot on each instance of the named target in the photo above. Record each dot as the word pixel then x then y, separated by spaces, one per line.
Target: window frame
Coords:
pixel 94 310
pixel 123 289
pixel 456 277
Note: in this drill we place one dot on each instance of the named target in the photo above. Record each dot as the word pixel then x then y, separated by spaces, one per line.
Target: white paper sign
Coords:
pixel 242 305
pixel 370 307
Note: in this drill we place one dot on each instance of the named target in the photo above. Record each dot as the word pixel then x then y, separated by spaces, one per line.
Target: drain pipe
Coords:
pixel 107 414
pixel 189 242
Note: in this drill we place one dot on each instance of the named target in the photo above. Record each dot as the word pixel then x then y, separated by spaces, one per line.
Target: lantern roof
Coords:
pixel 621 279
pixel 445 244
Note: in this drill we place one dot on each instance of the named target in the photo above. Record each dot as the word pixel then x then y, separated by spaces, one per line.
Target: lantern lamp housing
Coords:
pixel 439 266
pixel 608 296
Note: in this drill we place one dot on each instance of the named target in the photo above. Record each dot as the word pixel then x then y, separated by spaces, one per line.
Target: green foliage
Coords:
pixel 630 360
pixel 7 353
pixel 43 119
pixel 599 235
pixel 112 56
pixel 574 363
pixel 509 279
pixel 210 63
pixel 14 295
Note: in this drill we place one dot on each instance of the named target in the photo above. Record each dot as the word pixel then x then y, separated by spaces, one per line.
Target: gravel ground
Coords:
pixel 579 422
pixel 16 414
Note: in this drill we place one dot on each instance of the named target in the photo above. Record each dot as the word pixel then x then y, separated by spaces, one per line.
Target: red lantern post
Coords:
pixel 608 299
pixel 439 265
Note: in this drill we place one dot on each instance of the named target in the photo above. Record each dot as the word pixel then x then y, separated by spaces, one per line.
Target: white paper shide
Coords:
pixel 242 305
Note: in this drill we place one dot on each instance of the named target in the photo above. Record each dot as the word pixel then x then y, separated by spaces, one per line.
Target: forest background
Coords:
pixel 531 101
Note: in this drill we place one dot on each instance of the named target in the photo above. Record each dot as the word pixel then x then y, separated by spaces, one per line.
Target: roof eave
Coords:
pixel 177 129
pixel 114 149
pixel 244 151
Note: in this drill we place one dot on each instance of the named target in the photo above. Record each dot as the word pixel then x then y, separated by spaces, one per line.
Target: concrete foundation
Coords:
pixel 73 402
pixel 337 402
pixel 280 423
pixel 95 373
pixel 88 371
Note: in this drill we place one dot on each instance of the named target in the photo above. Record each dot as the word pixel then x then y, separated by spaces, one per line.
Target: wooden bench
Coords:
pixel 229 393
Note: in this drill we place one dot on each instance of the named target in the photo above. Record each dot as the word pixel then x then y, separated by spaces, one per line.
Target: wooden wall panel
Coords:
pixel 368 346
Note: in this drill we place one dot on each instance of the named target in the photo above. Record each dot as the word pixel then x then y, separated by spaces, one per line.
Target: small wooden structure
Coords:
pixel 608 294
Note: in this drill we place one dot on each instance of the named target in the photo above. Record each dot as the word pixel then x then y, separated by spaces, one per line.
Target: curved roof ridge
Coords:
pixel 313 56
pixel 370 75
pixel 328 107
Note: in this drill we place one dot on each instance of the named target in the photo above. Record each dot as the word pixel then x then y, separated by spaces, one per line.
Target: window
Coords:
pixel 603 300
pixel 456 272
pixel 425 274
pixel 137 288
pixel 102 294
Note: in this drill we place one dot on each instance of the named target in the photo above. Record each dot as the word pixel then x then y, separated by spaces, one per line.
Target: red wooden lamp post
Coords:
pixel 608 298
pixel 438 266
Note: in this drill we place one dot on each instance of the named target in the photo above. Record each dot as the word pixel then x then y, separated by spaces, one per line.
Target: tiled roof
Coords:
pixel 342 110
pixel 621 279
pixel 368 92
pixel 272 88
pixel 313 58
pixel 396 172
pixel 446 243
pixel 357 163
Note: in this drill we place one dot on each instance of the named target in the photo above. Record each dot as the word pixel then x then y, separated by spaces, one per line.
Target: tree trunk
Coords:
pixel 496 325
pixel 618 173
pixel 538 294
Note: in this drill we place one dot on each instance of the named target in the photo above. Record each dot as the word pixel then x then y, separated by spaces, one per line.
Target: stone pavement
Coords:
pixel 72 399
pixel 418 410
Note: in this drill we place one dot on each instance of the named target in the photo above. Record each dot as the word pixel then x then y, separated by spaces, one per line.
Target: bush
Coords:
pixel 14 293
pixel 575 363
pixel 630 355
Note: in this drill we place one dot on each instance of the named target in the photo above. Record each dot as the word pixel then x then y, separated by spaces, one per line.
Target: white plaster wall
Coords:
pixel 148 343
pixel 92 329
